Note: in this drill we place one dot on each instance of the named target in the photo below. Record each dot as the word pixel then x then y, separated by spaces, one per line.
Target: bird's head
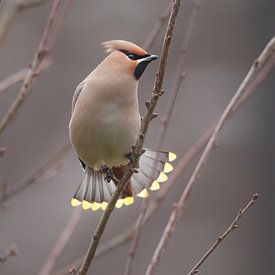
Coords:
pixel 128 57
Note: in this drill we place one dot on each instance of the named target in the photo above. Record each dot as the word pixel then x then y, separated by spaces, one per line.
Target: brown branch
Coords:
pixel 135 237
pixel 115 242
pixel 2 151
pixel 12 79
pixel 19 76
pixel 151 38
pixel 10 11
pixel 180 74
pixel 61 242
pixel 232 227
pixel 49 169
pixel 163 128
pixel 38 63
pixel 12 251
pixel 165 47
pixel 258 67
pixel 139 144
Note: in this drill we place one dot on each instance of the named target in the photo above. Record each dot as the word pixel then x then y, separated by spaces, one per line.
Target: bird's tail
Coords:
pixel 94 192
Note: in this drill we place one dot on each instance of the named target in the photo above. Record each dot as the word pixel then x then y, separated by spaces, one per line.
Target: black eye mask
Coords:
pixel 134 56
pixel 141 66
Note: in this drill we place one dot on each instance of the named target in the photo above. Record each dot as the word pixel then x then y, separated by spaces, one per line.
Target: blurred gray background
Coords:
pixel 228 36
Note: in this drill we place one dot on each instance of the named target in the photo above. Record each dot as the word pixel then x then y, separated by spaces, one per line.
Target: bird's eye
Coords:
pixel 132 56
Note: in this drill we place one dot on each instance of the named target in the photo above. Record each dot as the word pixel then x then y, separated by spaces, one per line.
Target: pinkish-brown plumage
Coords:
pixel 115 45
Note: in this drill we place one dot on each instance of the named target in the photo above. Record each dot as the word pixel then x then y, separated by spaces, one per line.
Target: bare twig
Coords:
pixel 117 241
pixel 61 242
pixel 11 10
pixel 163 128
pixel 135 238
pixel 232 227
pixel 19 76
pixel 165 47
pixel 180 74
pixel 151 38
pixel 139 144
pixel 261 66
pixel 12 79
pixel 48 170
pixel 40 59
pixel 12 251
pixel 2 151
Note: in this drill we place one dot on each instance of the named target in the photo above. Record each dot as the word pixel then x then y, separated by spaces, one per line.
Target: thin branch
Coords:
pixel 233 226
pixel 115 242
pixel 61 242
pixel 164 125
pixel 12 251
pixel 19 76
pixel 180 74
pixel 184 162
pixel 12 79
pixel 151 38
pixel 10 12
pixel 261 66
pixel 135 238
pixel 2 151
pixel 165 47
pixel 48 170
pixel 139 144
pixel 38 64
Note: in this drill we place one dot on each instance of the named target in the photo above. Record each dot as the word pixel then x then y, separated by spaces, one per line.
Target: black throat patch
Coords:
pixel 140 68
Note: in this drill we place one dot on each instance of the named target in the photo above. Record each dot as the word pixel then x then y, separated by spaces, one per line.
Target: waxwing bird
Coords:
pixel 105 124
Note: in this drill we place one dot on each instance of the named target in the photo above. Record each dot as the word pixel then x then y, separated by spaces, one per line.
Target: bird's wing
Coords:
pixel 77 92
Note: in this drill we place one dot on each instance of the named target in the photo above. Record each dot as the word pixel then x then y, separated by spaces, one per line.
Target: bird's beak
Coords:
pixel 148 59
pixel 142 64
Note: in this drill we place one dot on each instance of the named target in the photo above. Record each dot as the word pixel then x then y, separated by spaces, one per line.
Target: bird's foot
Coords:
pixel 131 156
pixel 108 172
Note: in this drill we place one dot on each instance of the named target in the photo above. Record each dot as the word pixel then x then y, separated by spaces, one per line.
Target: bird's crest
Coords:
pixel 118 45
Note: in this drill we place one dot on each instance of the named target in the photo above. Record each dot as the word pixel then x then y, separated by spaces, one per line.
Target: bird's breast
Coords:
pixel 103 131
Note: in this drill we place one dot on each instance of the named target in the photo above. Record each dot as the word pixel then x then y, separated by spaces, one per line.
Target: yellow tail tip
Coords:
pixel 143 194
pixel 172 156
pixel 162 177
pixel 104 205
pixel 119 203
pixel 128 200
pixel 155 186
pixel 75 202
pixel 168 168
pixel 95 206
pixel 86 204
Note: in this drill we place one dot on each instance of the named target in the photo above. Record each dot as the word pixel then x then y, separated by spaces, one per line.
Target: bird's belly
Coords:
pixel 106 137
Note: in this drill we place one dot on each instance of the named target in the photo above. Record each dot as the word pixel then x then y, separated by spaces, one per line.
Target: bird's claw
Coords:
pixel 131 156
